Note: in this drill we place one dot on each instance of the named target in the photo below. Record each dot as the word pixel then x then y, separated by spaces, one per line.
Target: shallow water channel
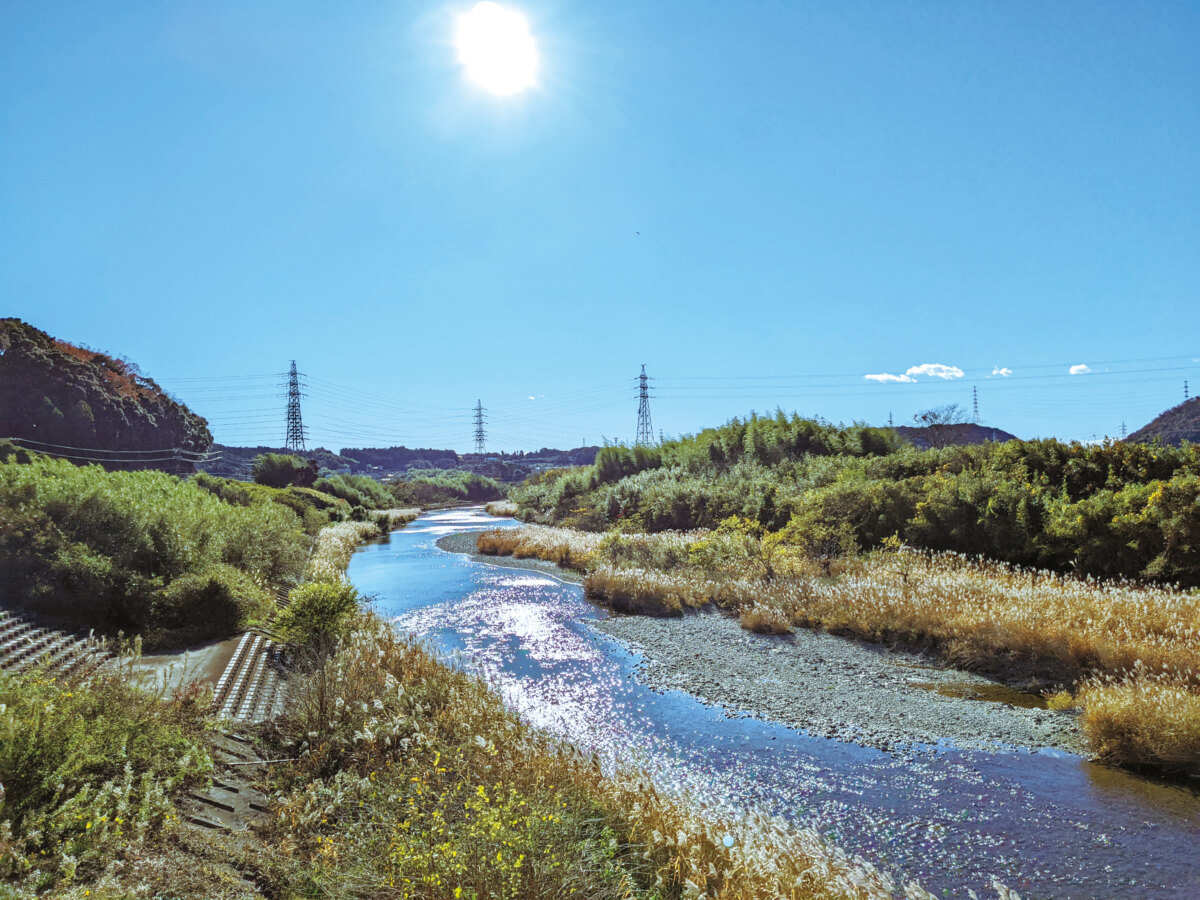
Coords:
pixel 1048 824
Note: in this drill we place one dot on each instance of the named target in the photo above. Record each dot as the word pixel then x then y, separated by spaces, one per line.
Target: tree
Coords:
pixel 939 423
pixel 279 470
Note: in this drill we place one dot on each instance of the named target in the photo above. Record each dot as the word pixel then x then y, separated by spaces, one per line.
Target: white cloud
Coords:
pixel 884 377
pixel 1080 369
pixel 936 370
pixel 531 397
pixel 1001 372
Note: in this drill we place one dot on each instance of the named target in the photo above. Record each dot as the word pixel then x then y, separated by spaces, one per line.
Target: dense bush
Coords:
pixel 357 490
pixel 314 508
pixel 280 470
pixel 317 614
pixel 1114 509
pixel 140 551
pixel 448 486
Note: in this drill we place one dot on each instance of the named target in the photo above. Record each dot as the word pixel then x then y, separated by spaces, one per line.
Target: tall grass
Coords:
pixel 88 772
pixel 568 548
pixel 336 543
pixel 1144 719
pixel 417 782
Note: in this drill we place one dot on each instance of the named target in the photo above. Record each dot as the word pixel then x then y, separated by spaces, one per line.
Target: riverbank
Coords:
pixel 403 776
pixel 464 542
pixel 826 685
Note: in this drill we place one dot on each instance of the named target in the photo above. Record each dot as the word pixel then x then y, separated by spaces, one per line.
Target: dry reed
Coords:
pixel 568 548
pixel 501 509
pixel 1024 625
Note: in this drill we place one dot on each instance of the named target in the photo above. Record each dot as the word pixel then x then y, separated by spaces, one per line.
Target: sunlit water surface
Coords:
pixel 1048 824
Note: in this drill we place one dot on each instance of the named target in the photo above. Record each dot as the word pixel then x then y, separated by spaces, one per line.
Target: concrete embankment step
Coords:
pixel 234 801
pixel 25 646
pixel 251 688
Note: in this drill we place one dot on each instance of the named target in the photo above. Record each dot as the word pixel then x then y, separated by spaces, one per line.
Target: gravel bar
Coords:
pixel 823 684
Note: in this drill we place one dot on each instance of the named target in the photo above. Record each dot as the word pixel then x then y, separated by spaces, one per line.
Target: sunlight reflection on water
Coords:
pixel 1048 824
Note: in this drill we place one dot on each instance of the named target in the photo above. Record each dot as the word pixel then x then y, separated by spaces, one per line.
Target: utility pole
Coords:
pixel 645 430
pixel 975 404
pixel 480 433
pixel 295 425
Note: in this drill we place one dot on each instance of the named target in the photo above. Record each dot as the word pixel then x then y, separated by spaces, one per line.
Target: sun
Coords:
pixel 496 48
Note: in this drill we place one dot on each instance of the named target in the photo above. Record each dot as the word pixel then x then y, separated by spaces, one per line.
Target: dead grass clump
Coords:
pixel 1144 719
pixel 763 619
pixel 639 592
pixel 394 519
pixel 563 546
pixel 501 509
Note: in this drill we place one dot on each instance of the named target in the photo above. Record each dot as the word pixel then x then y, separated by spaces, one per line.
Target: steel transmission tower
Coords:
pixel 1185 392
pixel 480 432
pixel 295 425
pixel 645 430
pixel 975 404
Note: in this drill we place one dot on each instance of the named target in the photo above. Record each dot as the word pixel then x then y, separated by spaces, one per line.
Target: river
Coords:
pixel 1047 824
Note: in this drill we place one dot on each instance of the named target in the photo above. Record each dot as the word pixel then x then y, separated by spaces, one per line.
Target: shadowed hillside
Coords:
pixel 1176 425
pixel 56 393
pixel 967 433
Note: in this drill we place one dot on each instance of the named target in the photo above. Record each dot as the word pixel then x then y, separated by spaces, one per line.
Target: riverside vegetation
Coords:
pixel 401 776
pixel 799 524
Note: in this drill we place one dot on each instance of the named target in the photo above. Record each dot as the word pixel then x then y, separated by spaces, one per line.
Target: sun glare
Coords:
pixel 496 48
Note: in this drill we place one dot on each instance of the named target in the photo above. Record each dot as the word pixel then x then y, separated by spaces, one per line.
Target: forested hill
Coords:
pixel 57 393
pixel 1176 425
pixel 965 433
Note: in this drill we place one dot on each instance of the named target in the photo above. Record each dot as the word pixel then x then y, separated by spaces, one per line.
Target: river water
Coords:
pixel 1047 824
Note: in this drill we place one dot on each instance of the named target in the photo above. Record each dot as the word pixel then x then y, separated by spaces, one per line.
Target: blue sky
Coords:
pixel 763 202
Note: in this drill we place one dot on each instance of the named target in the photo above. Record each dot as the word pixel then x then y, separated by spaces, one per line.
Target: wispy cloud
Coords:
pixel 884 377
pixel 1081 369
pixel 1001 372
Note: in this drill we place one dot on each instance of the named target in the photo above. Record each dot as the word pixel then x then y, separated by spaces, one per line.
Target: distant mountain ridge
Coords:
pixel 387 462
pixel 56 393
pixel 1174 426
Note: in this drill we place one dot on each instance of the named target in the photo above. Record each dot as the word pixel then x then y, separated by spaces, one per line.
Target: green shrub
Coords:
pixel 221 597
pixel 281 470
pixel 103 549
pixel 317 614
pixel 1110 510
pixel 89 770
pixel 357 490
pixel 446 486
